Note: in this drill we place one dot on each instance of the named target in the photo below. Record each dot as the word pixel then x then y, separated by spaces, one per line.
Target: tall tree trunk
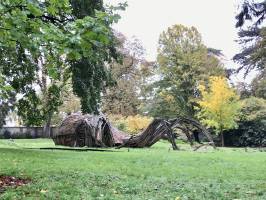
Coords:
pixel 47 125
pixel 222 139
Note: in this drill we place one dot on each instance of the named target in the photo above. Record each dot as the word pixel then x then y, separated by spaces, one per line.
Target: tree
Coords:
pixel 39 40
pixel 254 110
pixel 252 11
pixel 7 99
pixel 219 105
pixel 70 104
pixel 123 97
pixel 258 85
pixel 183 61
pixel 243 90
pixel 89 74
pixel 253 37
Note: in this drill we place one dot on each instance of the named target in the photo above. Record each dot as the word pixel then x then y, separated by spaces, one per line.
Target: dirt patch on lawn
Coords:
pixel 11 181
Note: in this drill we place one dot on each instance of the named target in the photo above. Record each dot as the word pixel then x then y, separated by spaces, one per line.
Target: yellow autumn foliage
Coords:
pixel 219 105
pixel 131 124
pixel 137 123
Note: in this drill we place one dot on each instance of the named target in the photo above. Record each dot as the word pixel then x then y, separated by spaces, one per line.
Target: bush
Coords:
pixel 252 125
pixel 130 124
pixel 137 123
pixel 118 121
pixel 248 134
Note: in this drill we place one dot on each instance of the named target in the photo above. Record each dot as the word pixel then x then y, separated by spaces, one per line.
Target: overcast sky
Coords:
pixel 214 19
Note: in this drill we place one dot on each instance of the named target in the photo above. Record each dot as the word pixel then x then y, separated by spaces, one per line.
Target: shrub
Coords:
pixel 118 121
pixel 137 123
pixel 252 125
pixel 130 124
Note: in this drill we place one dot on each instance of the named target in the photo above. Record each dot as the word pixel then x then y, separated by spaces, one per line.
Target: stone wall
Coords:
pixel 25 132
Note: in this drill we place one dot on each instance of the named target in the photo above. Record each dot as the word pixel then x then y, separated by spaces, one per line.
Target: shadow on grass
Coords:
pixel 73 149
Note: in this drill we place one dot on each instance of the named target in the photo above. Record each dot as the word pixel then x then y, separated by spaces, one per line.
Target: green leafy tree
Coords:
pixel 70 104
pixel 243 90
pixel 39 40
pixel 256 88
pixel 258 85
pixel 7 100
pixel 7 97
pixel 219 105
pixel 254 109
pixel 183 61
pixel 90 74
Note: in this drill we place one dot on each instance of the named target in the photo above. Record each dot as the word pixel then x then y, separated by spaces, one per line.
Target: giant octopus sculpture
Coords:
pixel 79 130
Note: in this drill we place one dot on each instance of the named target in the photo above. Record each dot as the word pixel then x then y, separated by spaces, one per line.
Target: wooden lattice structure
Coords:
pixel 79 130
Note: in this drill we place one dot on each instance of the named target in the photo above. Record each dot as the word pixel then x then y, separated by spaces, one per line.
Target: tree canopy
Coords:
pixel 39 40
pixel 219 105
pixel 183 60
pixel 123 97
pixel 251 37
pixel 90 74
pixel 258 85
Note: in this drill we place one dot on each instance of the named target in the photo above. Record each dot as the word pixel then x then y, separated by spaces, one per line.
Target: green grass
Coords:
pixel 154 173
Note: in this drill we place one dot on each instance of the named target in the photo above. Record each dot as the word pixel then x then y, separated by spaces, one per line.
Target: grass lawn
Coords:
pixel 154 173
